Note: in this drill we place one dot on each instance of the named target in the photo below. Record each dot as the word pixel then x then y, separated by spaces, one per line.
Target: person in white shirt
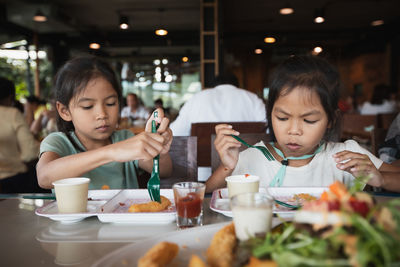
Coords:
pixel 134 110
pixel 380 102
pixel 224 102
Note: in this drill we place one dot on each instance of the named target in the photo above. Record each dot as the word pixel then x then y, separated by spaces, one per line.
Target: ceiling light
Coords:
pixel 286 10
pixel 161 32
pixel 269 40
pixel 123 23
pixel 319 15
pixel 39 16
pixel 317 50
pixel 377 22
pixel 94 45
pixel 185 59
pixel 258 51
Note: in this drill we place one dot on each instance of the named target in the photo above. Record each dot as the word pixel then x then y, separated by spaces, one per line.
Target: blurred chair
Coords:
pixel 250 138
pixel 360 128
pixel 385 120
pixel 183 153
pixel 204 130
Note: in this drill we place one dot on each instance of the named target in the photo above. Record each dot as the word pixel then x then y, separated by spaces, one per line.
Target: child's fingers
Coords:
pixel 158 119
pixel 347 155
pixel 225 129
pixel 163 125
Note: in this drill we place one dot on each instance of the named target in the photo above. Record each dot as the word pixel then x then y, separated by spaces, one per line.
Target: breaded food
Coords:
pixel 254 262
pixel 152 206
pixel 195 261
pixel 159 255
pixel 220 251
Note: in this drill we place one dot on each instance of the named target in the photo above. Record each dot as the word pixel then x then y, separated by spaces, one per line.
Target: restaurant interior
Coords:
pixel 172 50
pixel 207 37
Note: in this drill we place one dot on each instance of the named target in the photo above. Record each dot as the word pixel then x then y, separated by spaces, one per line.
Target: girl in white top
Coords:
pixel 304 118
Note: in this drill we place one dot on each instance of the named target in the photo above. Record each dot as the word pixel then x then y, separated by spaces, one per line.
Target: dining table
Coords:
pixel 31 240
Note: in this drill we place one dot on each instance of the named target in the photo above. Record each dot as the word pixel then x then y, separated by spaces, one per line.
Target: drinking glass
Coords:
pixel 189 203
pixel 252 214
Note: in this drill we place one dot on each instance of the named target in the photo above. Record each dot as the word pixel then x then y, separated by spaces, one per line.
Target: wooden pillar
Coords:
pixel 209 42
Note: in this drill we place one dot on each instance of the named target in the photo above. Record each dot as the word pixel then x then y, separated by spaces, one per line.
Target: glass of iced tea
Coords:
pixel 189 203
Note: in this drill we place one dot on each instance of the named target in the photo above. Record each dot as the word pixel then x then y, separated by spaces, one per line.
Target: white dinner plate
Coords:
pixel 191 241
pixel 112 206
pixel 116 209
pixel 96 199
pixel 220 200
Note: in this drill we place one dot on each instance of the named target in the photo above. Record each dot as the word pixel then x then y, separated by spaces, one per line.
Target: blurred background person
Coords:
pixel 45 123
pixel 136 113
pixel 158 103
pixel 18 147
pixel 223 103
pixel 380 102
pixel 32 108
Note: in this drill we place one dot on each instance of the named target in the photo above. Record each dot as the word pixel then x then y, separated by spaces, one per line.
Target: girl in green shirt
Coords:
pixel 87 96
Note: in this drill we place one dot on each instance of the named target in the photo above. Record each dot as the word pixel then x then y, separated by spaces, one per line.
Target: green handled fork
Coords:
pixel 264 150
pixel 153 185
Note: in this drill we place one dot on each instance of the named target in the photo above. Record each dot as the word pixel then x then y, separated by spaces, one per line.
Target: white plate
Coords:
pixel 97 198
pixel 116 210
pixel 190 241
pixel 112 206
pixel 220 200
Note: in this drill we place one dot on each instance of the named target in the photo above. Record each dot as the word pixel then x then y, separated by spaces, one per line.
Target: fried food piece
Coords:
pixel 159 255
pixel 195 261
pixel 254 262
pixel 220 251
pixel 152 206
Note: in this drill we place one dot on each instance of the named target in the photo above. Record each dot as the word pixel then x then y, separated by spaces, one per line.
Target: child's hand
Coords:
pixel 227 146
pixel 359 165
pixel 143 146
pixel 163 129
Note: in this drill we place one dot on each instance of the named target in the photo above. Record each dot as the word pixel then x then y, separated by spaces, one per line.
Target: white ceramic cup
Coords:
pixel 239 184
pixel 252 214
pixel 72 194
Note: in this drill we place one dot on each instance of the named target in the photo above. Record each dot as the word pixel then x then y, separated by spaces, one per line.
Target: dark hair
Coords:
pixel 313 73
pixel 7 88
pixel 380 93
pixel 225 78
pixel 158 102
pixel 35 99
pixel 73 77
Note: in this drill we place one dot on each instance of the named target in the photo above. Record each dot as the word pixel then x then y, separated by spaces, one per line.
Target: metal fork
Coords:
pixel 264 150
pixel 153 185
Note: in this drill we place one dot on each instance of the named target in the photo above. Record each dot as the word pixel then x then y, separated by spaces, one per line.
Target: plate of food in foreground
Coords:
pixel 291 195
pixel 360 233
pixel 177 247
pixel 119 206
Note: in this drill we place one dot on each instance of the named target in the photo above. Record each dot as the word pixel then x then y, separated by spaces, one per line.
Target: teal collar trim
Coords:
pixel 280 175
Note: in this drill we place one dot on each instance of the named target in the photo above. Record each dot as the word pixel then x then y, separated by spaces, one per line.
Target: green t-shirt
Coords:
pixel 116 175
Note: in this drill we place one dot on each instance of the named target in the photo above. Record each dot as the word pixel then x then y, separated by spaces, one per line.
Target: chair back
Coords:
pixel 358 125
pixel 204 130
pixel 385 120
pixel 250 138
pixel 183 153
